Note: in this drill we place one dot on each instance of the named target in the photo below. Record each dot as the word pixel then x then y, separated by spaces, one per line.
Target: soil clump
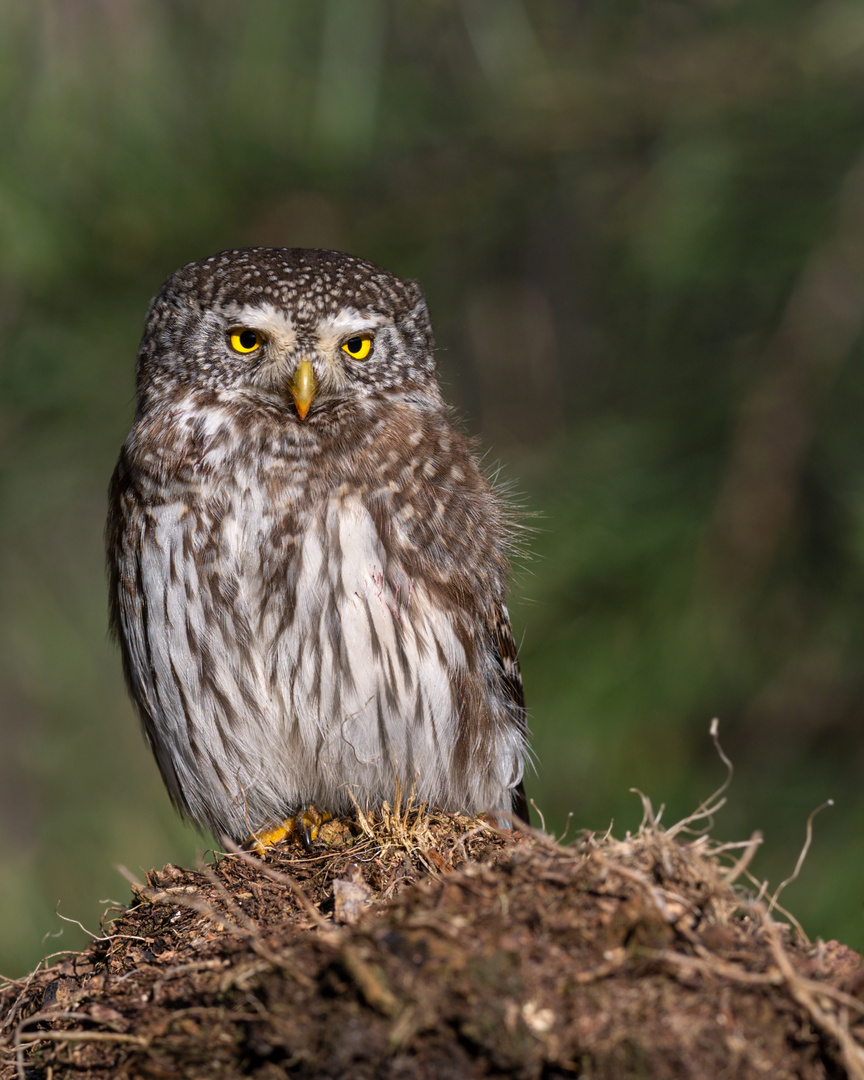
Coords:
pixel 429 946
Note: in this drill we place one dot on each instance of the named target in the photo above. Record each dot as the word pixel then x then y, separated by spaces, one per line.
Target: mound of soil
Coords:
pixel 439 947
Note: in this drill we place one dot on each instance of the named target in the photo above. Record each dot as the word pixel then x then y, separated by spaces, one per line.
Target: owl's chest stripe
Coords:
pixel 360 648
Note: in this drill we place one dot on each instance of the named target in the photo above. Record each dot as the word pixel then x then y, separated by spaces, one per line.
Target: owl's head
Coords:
pixel 305 325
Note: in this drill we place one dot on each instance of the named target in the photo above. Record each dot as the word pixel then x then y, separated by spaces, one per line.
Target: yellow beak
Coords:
pixel 303 387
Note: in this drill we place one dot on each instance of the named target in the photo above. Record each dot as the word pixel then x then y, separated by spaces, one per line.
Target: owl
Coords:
pixel 307 563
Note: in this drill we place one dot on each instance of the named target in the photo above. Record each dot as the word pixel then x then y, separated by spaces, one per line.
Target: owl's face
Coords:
pixel 305 326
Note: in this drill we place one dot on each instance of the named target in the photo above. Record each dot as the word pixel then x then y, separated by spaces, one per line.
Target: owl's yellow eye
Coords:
pixel 245 341
pixel 358 347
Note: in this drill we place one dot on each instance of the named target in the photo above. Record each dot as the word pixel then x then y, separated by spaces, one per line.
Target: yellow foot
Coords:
pixel 305 824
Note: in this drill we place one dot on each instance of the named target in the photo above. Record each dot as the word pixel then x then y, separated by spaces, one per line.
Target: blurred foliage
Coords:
pixel 641 231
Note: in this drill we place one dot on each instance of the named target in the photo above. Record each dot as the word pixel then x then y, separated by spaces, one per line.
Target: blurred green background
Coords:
pixel 640 227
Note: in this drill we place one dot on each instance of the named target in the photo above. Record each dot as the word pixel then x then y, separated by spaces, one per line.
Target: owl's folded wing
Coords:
pixel 507 656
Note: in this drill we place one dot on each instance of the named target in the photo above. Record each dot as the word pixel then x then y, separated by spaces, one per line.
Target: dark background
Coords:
pixel 640 228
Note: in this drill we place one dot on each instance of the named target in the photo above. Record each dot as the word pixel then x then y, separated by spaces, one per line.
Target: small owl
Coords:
pixel 307 563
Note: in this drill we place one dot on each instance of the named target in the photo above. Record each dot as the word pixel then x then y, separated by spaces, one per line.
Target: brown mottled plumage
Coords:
pixel 307 564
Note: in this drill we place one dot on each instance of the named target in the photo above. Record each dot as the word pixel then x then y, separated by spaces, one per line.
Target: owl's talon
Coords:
pixel 307 822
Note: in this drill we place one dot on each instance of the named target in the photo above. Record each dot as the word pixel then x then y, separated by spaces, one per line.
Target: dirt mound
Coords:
pixel 439 947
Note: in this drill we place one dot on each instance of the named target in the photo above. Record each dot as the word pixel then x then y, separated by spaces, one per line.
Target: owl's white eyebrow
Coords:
pixel 267 317
pixel 350 321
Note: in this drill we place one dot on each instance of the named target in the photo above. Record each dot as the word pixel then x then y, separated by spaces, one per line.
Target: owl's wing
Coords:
pixel 511 679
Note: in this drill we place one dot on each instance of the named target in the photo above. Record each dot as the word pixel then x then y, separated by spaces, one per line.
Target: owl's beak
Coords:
pixel 303 387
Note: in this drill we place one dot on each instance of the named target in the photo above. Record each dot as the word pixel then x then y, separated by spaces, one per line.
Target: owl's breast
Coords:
pixel 359 657
pixel 327 576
